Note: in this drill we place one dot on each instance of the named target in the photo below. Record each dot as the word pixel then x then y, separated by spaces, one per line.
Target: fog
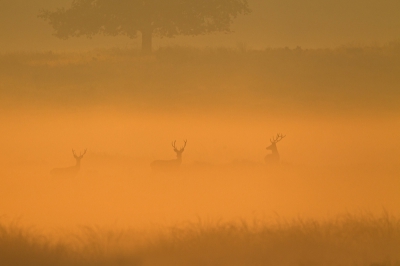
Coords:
pixel 118 155
pixel 340 153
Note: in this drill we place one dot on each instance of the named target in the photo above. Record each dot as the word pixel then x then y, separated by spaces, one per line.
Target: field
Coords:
pixel 175 78
pixel 332 200
pixel 345 240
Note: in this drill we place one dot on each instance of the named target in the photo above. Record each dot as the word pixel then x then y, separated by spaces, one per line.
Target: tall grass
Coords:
pixel 345 240
pixel 20 246
pixel 23 246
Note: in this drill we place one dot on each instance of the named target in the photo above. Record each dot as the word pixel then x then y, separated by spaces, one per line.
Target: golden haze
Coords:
pixel 340 152
pixel 82 120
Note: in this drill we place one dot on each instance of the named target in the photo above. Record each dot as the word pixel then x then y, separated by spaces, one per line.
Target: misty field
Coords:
pixel 118 111
pixel 174 79
pixel 345 240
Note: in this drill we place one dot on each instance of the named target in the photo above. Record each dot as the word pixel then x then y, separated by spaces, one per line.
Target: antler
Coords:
pixel 184 145
pixel 175 149
pixel 278 138
pixel 173 144
pixel 80 155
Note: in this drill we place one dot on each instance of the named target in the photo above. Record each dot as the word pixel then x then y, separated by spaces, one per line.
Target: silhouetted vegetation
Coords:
pixel 345 240
pixel 150 17
pixel 342 79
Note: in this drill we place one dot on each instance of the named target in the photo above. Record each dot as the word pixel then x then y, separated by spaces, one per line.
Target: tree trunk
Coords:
pixel 147 41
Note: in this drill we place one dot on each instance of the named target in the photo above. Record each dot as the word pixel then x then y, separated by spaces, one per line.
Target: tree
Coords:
pixel 163 18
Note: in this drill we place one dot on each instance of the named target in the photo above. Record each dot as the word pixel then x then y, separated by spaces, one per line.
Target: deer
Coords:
pixel 71 171
pixel 169 165
pixel 273 157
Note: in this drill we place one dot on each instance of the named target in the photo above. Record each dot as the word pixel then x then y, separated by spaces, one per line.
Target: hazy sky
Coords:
pixel 273 23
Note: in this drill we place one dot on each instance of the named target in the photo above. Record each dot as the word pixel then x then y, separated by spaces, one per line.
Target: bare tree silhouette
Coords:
pixel 169 165
pixel 273 157
pixel 69 171
pixel 147 17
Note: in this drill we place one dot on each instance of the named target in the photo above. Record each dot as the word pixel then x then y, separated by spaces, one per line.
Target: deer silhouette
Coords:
pixel 69 171
pixel 169 165
pixel 273 157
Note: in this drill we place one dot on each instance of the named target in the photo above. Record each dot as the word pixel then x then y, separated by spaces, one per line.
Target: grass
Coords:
pixel 22 246
pixel 345 240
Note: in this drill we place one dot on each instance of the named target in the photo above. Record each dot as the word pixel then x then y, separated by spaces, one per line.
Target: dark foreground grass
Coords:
pixel 346 240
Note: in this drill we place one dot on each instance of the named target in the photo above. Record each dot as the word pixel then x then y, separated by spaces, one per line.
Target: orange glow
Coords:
pixel 248 145
pixel 328 166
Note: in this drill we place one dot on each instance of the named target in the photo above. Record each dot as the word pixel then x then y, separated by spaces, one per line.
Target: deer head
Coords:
pixel 78 158
pixel 180 151
pixel 275 140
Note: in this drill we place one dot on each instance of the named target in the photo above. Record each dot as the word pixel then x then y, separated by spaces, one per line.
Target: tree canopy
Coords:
pixel 163 18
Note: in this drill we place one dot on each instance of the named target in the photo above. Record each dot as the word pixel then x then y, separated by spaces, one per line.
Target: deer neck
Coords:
pixel 273 156
pixel 179 157
pixel 78 164
pixel 275 151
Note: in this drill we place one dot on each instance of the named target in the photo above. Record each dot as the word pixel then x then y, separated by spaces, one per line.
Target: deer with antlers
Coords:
pixel 169 165
pixel 69 171
pixel 273 157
